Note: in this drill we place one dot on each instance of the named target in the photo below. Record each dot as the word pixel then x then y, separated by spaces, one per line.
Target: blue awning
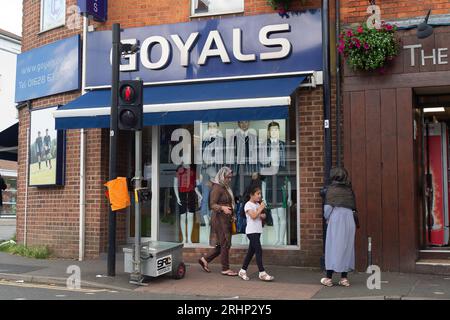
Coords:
pixel 9 141
pixel 183 103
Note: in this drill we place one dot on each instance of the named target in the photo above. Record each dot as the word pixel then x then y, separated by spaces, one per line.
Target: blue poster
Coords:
pixel 48 70
pixel 213 48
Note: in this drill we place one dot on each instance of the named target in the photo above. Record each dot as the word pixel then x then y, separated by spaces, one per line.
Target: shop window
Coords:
pixel 216 7
pixel 9 197
pixel 190 157
pixel 53 14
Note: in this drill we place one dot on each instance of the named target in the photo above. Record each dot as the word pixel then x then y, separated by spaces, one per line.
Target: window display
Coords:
pixel 262 151
pixel 9 197
pixel 216 6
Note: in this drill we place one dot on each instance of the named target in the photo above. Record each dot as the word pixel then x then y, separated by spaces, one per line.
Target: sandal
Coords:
pixel 204 265
pixel 265 277
pixel 344 282
pixel 243 275
pixel 230 273
pixel 327 282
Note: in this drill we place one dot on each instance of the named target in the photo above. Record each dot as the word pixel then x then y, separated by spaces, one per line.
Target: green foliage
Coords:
pixel 368 49
pixel 36 252
pixel 282 5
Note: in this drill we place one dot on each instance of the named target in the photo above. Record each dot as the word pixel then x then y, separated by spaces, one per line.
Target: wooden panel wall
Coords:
pixel 378 152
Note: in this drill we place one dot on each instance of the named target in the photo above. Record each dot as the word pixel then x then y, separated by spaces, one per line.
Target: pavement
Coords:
pixel 291 283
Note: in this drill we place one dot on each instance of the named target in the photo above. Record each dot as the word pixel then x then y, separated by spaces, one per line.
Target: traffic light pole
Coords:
pixel 136 276
pixel 113 143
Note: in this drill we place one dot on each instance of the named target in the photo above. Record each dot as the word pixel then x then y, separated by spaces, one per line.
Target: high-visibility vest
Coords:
pixel 119 197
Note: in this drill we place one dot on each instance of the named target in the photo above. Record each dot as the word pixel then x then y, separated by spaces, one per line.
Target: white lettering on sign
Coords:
pixel 131 58
pixel 185 48
pixel 214 37
pixel 214 47
pixel 165 52
pixel 437 56
pixel 284 43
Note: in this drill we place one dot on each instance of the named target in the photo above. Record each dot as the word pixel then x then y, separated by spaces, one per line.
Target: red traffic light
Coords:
pixel 127 94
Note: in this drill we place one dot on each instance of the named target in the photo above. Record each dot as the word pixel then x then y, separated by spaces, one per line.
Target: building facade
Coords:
pixel 381 145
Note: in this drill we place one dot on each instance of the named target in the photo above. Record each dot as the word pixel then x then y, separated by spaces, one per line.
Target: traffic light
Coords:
pixel 130 112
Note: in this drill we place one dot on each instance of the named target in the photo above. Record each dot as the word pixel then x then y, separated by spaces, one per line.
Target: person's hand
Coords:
pixel 226 210
pixel 262 206
pixel 179 202
pixel 289 203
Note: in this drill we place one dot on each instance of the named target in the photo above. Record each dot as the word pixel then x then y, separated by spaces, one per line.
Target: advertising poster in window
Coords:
pixel 53 14
pixel 210 7
pixel 47 150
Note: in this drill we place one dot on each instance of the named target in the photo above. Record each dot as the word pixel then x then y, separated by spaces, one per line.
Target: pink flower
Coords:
pixel 357 42
pixel 360 29
pixel 341 48
pixel 349 33
pixel 366 46
pixel 282 11
pixel 389 27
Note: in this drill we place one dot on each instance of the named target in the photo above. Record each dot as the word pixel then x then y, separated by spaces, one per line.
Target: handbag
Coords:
pixel 233 227
pixel 355 217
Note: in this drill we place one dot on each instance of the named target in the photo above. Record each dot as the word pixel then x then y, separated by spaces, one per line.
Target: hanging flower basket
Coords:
pixel 282 5
pixel 369 49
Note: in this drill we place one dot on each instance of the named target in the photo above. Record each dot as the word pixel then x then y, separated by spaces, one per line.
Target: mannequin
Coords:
pixel 207 180
pixel 212 147
pixel 185 188
pixel 279 214
pixel 245 146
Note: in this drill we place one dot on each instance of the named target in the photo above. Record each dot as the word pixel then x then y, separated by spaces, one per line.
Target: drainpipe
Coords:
pixel 26 191
pixel 83 151
pixel 338 88
pixel 326 107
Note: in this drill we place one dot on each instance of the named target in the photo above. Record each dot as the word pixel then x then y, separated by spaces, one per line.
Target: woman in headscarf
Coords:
pixel 341 226
pixel 221 202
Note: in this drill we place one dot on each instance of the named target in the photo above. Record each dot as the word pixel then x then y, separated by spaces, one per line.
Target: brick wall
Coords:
pixel 52 213
pixel 355 10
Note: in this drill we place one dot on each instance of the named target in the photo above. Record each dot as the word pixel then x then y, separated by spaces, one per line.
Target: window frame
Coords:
pixel 41 26
pixel 208 14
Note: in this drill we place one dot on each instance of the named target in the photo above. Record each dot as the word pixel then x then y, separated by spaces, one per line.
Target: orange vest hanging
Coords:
pixel 118 193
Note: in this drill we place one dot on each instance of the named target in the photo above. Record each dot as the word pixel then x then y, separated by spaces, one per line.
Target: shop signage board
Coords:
pixel 48 70
pixel 98 9
pixel 210 49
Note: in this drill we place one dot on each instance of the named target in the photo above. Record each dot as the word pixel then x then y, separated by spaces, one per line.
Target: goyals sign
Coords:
pixel 216 48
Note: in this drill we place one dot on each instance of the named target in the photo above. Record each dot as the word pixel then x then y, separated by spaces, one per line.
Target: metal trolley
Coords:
pixel 157 258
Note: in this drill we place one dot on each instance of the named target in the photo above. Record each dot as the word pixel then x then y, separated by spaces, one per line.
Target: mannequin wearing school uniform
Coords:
pixel 279 209
pixel 245 145
pixel 186 192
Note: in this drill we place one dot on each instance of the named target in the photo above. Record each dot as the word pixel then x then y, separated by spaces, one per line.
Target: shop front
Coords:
pixel 396 148
pixel 217 93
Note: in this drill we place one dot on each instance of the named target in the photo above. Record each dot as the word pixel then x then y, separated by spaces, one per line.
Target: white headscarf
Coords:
pixel 220 179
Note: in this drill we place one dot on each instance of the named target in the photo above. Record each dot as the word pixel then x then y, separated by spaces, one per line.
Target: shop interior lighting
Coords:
pixel 439 109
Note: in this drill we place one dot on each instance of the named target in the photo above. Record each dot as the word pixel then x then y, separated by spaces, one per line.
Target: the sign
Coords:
pixel 217 48
pixel 46 150
pixel 98 9
pixel 164 265
pixel 436 56
pixel 48 70
pixel 53 14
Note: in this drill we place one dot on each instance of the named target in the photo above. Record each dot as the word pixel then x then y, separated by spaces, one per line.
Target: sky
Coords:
pixel 11 16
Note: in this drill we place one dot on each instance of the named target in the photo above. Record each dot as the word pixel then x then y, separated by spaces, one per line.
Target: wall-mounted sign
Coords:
pixel 98 9
pixel 217 48
pixel 46 150
pixel 53 14
pixel 436 56
pixel 48 70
